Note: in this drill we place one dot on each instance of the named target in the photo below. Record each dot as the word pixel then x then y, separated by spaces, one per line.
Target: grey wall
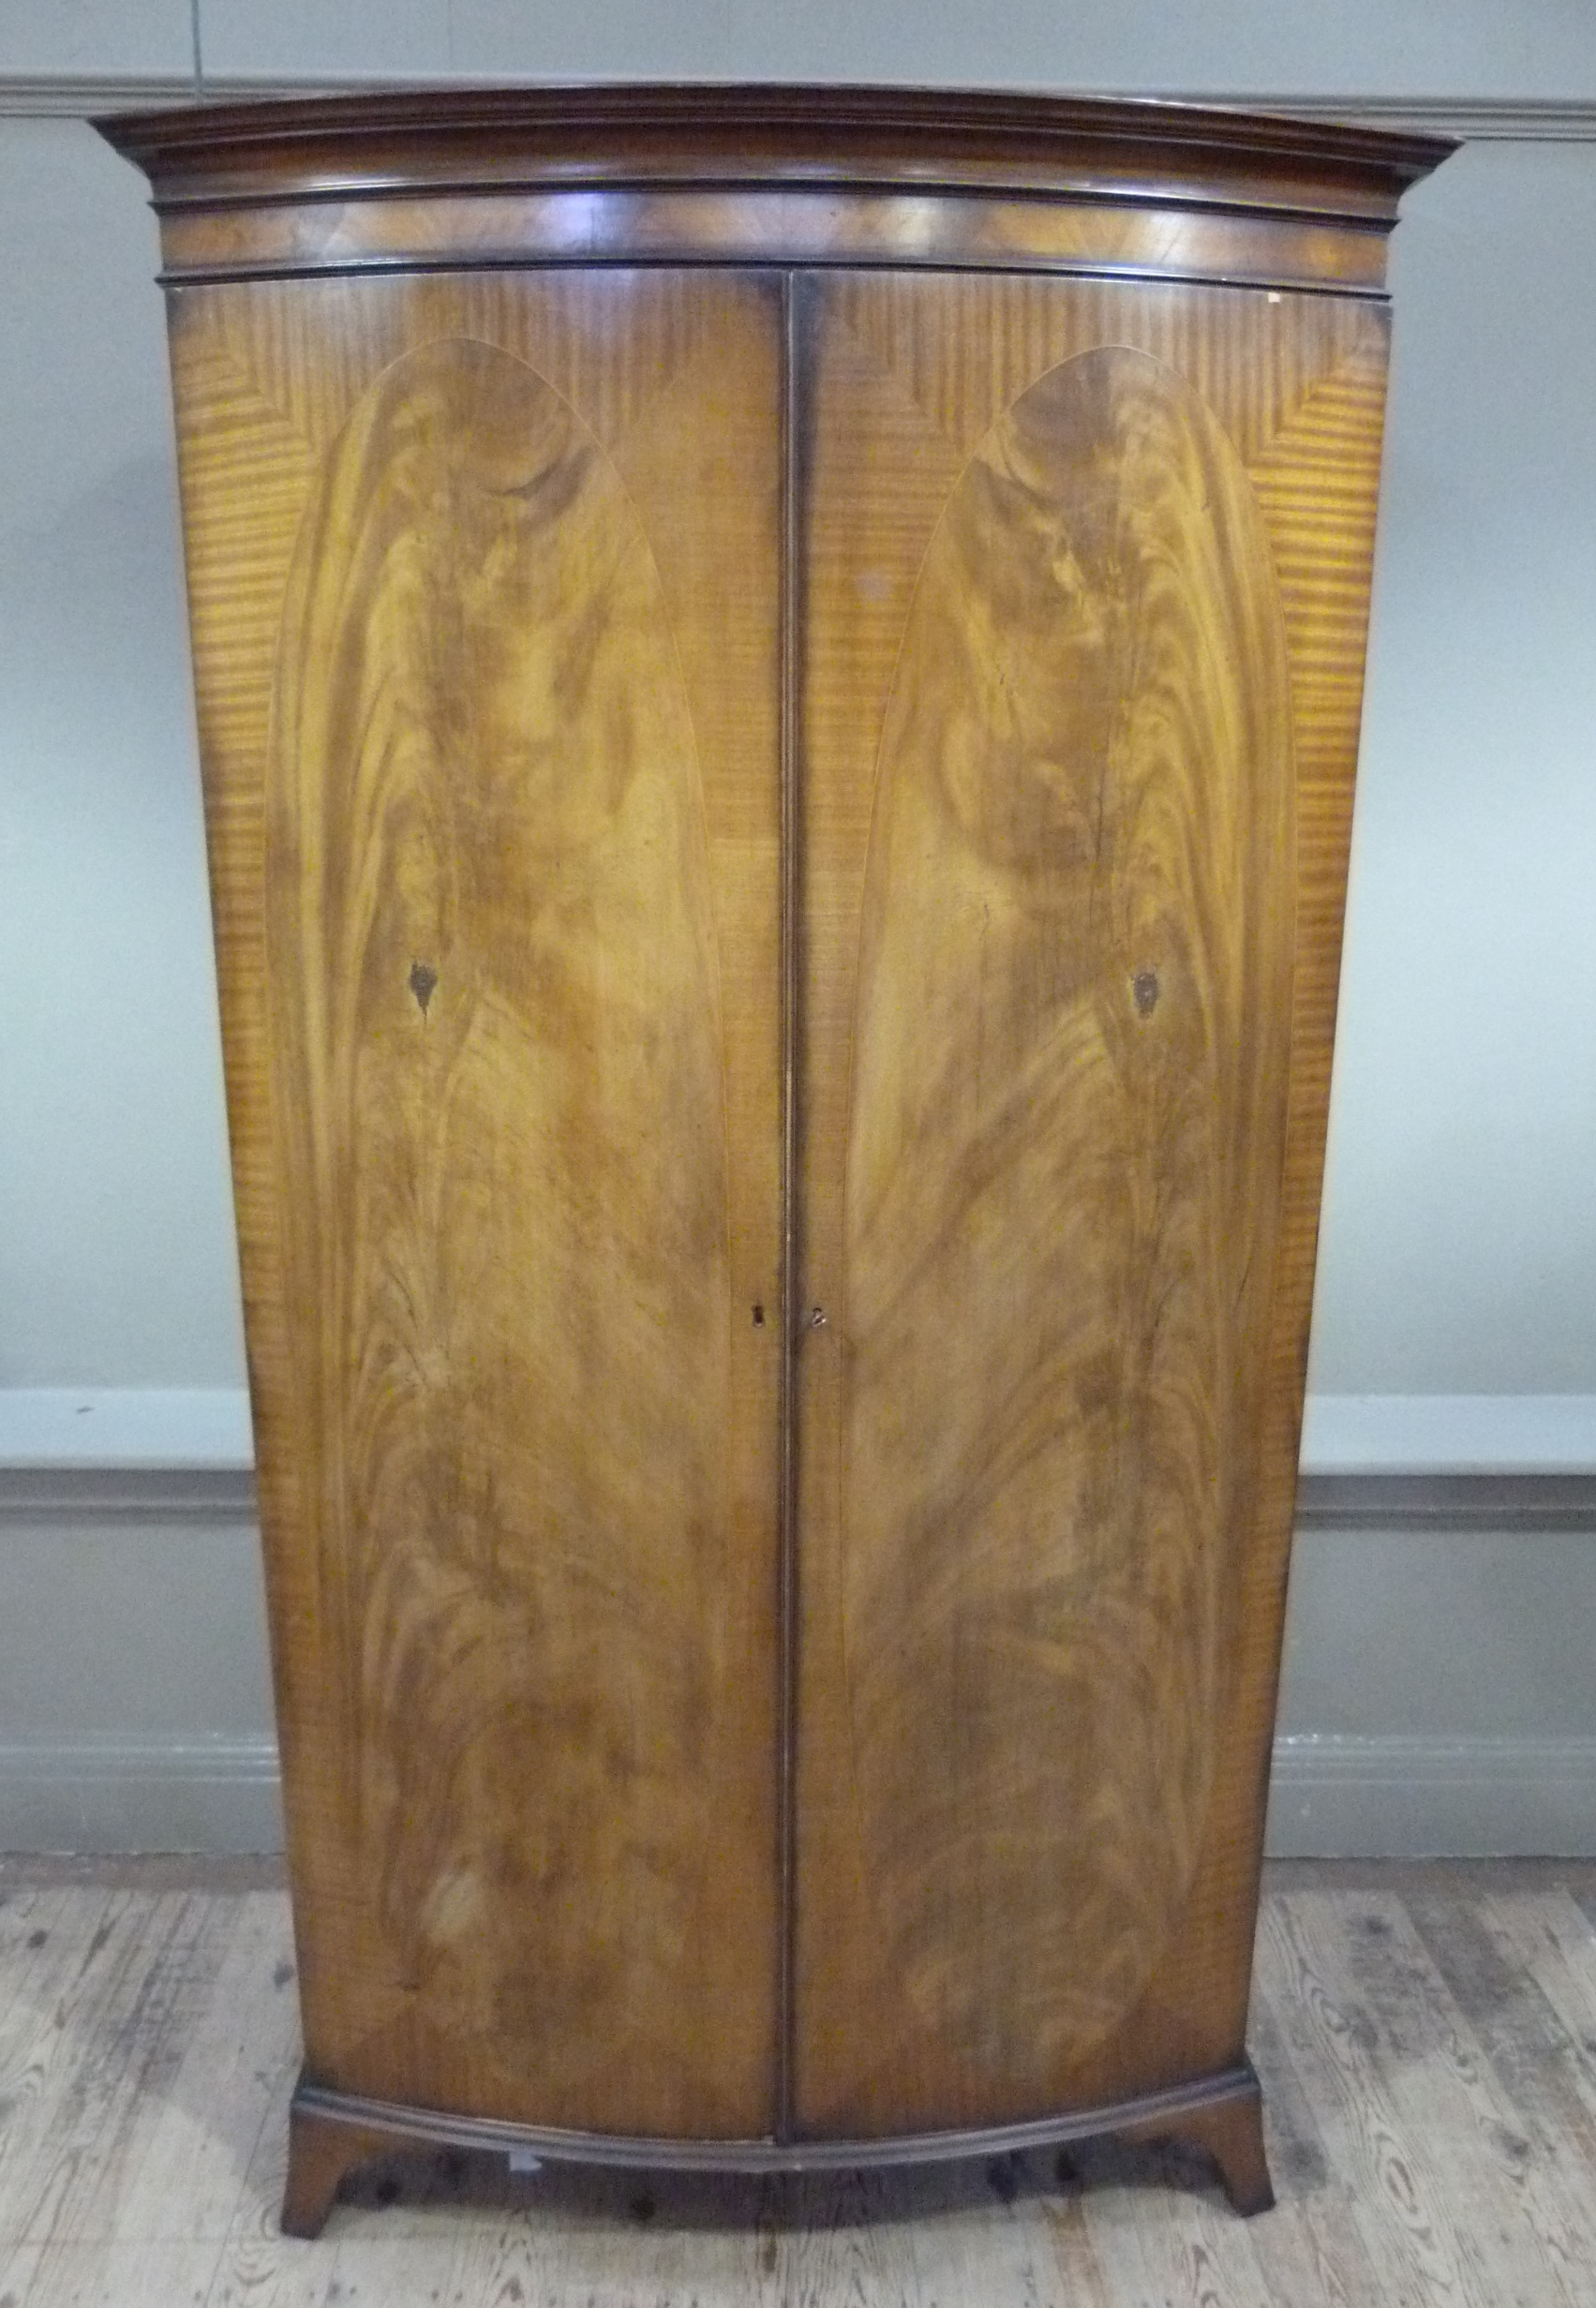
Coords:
pixel 116 1259
pixel 1404 48
pixel 1459 1244
pixel 1436 1692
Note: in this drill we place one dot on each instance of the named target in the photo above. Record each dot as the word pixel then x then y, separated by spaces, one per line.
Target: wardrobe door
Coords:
pixel 484 573
pixel 1081 640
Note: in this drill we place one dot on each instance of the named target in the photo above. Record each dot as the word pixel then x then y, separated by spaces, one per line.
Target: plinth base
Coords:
pixel 330 2133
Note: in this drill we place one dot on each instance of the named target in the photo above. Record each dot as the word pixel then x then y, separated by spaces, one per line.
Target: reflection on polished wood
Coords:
pixel 1063 1173
pixel 799 226
pixel 771 175
pixel 849 139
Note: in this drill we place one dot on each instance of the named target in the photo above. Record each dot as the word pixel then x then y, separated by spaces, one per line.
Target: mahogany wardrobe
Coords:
pixel 778 677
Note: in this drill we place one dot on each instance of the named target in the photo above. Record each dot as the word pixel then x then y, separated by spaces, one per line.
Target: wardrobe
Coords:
pixel 777 676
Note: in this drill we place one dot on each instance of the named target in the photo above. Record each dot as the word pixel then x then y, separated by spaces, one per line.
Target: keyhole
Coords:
pixel 759 1318
pixel 422 981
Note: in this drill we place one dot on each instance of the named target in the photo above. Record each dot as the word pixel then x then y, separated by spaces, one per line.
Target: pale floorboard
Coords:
pixel 1426 2037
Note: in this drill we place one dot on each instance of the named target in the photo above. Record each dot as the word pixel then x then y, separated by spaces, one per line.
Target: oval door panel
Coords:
pixel 497 1069
pixel 1067 1124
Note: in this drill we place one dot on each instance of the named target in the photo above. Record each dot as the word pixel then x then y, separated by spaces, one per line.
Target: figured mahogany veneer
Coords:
pixel 778 678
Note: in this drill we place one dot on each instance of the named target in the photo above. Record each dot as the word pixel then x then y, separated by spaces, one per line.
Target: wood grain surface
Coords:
pixel 498 877
pixel 488 575
pixel 1073 1006
pixel 1056 724
pixel 731 137
pixel 748 224
pixel 497 1081
pixel 769 175
pixel 1431 2100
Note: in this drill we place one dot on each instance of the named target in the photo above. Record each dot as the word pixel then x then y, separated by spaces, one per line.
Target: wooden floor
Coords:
pixel 1426 2037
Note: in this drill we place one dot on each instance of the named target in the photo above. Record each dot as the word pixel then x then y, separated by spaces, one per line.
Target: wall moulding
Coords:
pixel 1468 1461
pixel 1528 119
pixel 143 1465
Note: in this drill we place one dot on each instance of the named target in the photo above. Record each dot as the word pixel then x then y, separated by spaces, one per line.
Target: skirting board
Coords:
pixel 1340 1796
pixel 1566 120
pixel 109 1795
pixel 1373 1797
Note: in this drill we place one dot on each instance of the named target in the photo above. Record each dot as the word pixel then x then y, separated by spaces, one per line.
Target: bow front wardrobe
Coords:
pixel 778 677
